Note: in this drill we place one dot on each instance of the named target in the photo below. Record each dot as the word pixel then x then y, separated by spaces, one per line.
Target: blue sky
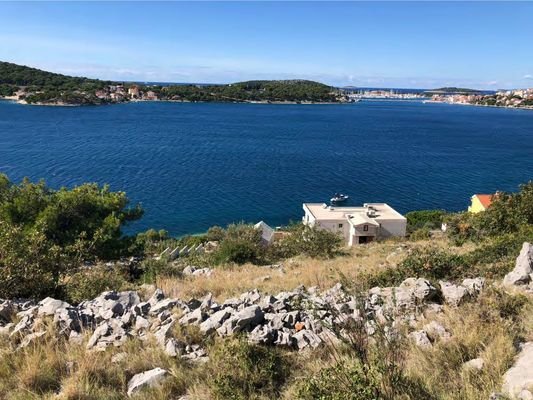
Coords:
pixel 379 44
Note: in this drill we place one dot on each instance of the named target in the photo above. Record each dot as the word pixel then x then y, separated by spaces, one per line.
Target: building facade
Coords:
pixel 357 225
pixel 480 202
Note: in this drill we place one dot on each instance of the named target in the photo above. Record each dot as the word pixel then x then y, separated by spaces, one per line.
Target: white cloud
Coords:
pixel 528 76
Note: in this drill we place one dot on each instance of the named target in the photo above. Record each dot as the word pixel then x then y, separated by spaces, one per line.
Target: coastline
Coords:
pixel 478 105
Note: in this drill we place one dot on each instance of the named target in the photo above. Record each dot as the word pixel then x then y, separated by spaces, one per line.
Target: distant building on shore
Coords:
pixel 480 202
pixel 133 92
pixel 357 224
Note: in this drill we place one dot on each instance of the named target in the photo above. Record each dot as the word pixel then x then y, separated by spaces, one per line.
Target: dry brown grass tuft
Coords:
pixel 478 330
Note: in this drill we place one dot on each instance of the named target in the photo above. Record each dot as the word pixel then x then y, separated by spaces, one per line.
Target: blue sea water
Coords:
pixel 196 165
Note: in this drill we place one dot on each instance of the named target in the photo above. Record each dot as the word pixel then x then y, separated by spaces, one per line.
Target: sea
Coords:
pixel 195 165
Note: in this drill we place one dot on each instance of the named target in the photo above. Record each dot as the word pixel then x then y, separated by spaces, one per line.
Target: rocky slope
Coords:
pixel 300 319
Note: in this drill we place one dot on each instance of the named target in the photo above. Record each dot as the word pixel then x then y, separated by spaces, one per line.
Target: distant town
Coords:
pixel 521 98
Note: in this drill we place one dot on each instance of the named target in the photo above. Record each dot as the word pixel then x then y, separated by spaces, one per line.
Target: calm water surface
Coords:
pixel 196 165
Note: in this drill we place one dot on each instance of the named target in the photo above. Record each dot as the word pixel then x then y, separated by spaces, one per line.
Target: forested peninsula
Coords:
pixel 33 86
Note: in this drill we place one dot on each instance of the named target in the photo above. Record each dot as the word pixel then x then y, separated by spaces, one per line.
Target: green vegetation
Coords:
pixel 309 241
pixel 452 90
pixel 274 91
pixel 242 371
pixel 508 213
pixel 46 233
pixel 43 87
pixel 47 87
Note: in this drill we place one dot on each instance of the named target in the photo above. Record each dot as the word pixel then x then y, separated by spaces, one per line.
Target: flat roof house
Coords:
pixel 357 224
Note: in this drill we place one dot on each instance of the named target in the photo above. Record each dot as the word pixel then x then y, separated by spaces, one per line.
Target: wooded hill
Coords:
pixel 47 87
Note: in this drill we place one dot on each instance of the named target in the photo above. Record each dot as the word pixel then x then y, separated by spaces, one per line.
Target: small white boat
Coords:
pixel 339 198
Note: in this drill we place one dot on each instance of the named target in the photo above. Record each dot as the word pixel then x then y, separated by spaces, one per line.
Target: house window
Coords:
pixel 340 225
pixel 365 228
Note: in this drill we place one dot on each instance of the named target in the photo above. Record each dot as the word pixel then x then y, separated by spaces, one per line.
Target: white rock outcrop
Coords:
pixel 522 274
pixel 146 379
pixel 520 376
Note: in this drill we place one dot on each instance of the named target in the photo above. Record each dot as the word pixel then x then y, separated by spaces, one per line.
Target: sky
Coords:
pixel 485 45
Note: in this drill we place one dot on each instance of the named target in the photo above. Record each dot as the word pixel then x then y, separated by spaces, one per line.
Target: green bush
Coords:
pixel 341 382
pixel 29 266
pixel 215 233
pixel 427 262
pixel 241 370
pixel 503 247
pixel 428 219
pixel 508 213
pixel 241 244
pixel 420 234
pixel 46 233
pixel 310 241
pixel 151 269
pixel 87 284
pixel 507 305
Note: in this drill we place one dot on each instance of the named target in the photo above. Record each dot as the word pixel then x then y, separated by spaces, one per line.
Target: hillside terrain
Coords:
pixel 110 316
pixel 34 86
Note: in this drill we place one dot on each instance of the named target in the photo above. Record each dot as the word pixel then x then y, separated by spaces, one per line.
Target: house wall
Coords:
pixel 476 205
pixel 360 230
pixel 333 226
pixel 392 227
pixel 330 225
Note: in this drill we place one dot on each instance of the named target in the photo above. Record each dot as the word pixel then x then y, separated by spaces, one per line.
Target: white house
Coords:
pixel 357 224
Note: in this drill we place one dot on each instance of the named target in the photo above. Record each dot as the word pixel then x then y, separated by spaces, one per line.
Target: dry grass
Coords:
pixel 56 369
pixel 231 281
pixel 478 330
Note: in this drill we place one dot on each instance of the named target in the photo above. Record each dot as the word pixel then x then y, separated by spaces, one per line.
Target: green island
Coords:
pixel 452 90
pixel 34 86
pixel 91 312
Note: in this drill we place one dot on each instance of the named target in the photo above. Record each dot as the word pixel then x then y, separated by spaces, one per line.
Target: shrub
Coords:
pixel 427 262
pixel 428 219
pixel 87 284
pixel 508 213
pixel 340 382
pixel 152 269
pixel 29 266
pixel 309 241
pixel 502 247
pixel 46 233
pixel 420 234
pixel 215 233
pixel 241 370
pixel 241 244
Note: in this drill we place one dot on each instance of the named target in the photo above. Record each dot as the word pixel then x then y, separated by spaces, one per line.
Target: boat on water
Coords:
pixel 339 198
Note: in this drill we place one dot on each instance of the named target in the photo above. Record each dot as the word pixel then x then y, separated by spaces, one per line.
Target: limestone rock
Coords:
pixel 145 379
pixel 247 318
pixel 520 375
pixel 215 321
pixel 421 339
pixel 436 331
pixel 474 364
pixel 49 306
pixel 522 274
pixel 454 295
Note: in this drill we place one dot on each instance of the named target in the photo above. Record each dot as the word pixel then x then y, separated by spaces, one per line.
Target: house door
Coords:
pixel 365 239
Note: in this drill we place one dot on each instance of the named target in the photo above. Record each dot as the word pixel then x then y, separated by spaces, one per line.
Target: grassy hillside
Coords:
pixel 68 244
